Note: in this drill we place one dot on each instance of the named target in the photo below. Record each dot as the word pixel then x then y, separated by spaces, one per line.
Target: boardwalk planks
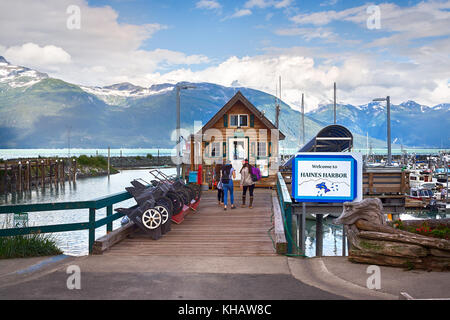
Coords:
pixel 211 231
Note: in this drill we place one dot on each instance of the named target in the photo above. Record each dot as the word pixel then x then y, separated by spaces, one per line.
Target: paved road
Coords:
pixel 156 286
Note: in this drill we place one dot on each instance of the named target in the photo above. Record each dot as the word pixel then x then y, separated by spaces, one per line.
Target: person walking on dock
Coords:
pixel 218 183
pixel 247 183
pixel 228 174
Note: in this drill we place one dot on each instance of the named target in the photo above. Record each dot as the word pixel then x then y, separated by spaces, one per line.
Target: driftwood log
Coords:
pixel 373 241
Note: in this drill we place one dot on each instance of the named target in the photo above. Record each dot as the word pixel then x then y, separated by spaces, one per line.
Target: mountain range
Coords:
pixel 38 111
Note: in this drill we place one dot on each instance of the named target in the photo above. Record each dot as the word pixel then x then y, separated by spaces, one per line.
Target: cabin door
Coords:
pixel 238 153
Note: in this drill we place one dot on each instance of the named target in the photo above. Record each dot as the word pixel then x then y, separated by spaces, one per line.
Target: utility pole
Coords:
pixel 179 88
pixel 109 161
pixel 388 103
pixel 446 191
pixel 278 109
pixel 178 131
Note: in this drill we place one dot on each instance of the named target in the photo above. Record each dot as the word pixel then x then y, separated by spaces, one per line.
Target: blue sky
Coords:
pixel 194 30
pixel 310 44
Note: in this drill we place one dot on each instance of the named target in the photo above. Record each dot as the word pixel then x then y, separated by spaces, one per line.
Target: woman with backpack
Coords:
pixel 247 182
pixel 228 174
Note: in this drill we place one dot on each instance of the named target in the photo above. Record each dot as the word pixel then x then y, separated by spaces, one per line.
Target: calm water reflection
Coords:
pixel 76 242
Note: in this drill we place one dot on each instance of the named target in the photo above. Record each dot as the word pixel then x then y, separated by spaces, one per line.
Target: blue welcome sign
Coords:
pixel 327 177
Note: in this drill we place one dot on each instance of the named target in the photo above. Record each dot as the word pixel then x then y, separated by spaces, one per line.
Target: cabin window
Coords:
pixel 215 149
pixel 262 149
pixel 414 193
pixel 243 120
pixel 234 120
pixel 238 120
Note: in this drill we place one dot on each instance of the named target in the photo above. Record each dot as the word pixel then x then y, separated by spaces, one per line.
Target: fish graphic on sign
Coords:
pixel 322 186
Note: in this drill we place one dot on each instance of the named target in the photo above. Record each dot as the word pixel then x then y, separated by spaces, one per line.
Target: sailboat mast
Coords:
pixel 303 117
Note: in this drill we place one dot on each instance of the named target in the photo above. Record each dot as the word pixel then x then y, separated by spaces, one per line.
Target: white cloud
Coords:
pixel 239 13
pixel 31 54
pixel 359 77
pixel 283 4
pixel 322 18
pixel 98 53
pixel 267 3
pixel 329 3
pixel 208 4
pixel 309 33
pixel 426 19
pixel 105 51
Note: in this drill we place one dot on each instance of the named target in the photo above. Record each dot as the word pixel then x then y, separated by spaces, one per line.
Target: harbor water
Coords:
pixel 76 242
pixel 65 152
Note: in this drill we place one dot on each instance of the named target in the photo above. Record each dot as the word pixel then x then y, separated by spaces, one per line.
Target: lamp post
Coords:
pixel 179 87
pixel 388 103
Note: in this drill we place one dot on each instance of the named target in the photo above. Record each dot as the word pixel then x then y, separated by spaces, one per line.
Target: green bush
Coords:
pixel 97 161
pixel 32 245
pixel 29 245
pixel 138 158
pixel 149 156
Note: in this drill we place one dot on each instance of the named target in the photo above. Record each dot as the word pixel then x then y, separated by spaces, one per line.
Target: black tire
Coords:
pixel 177 201
pixel 164 210
pixel 166 202
pixel 184 196
pixel 190 192
pixel 195 188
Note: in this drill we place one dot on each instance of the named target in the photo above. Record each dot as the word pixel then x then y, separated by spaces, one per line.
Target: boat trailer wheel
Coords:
pixel 164 213
pixel 151 219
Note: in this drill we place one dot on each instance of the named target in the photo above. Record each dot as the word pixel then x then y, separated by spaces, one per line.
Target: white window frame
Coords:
pixel 218 149
pixel 258 155
pixel 239 120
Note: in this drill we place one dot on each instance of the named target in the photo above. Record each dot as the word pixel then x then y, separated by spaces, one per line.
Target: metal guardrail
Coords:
pixel 286 209
pixel 90 225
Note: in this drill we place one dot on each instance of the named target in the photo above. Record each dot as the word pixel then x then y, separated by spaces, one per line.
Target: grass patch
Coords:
pixel 25 246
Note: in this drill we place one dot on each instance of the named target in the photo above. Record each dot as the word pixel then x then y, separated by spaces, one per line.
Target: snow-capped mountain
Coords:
pixel 36 110
pixel 120 94
pixel 17 76
pixel 412 124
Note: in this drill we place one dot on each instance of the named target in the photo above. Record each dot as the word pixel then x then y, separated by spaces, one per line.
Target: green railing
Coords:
pixel 90 225
pixel 286 209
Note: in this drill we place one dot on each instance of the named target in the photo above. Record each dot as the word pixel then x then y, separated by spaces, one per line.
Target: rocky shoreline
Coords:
pixel 127 163
pixel 140 162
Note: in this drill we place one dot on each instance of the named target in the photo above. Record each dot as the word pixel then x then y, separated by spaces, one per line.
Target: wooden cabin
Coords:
pixel 238 131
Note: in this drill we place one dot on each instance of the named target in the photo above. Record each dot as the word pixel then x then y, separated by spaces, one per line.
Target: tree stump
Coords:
pixel 373 241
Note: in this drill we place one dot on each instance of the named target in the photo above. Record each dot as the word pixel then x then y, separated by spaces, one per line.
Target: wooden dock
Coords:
pixel 211 231
pixel 21 175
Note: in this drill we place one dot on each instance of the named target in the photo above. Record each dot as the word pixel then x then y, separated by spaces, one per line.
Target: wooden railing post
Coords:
pixel 288 217
pixel 109 211
pixel 286 205
pixel 91 229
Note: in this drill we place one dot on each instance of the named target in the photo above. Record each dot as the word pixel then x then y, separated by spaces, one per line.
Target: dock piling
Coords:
pixel 319 235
